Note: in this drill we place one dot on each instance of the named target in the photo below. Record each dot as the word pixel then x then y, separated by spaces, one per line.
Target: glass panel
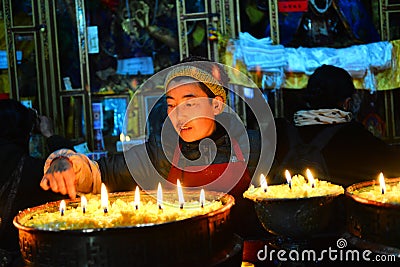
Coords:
pixel 394 25
pixel 26 56
pixel 396 112
pixel 22 13
pixel 197 38
pixel 68 45
pixel 4 83
pixel 114 108
pixel 72 114
pixel 194 6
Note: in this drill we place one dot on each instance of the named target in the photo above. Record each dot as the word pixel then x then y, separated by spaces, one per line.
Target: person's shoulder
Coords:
pixel 354 128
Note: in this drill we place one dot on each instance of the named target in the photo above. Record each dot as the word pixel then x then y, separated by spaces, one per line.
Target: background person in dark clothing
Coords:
pixel 352 154
pixel 20 173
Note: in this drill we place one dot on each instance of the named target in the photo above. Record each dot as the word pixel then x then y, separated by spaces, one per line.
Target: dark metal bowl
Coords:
pixel 181 243
pixel 301 218
pixel 371 220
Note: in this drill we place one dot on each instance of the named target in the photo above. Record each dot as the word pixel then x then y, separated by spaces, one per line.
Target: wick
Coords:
pixel 202 205
pixel 312 185
pixel 136 207
pixel 105 210
pixel 159 207
pixel 290 185
pixel 84 210
pixel 62 212
pixel 265 190
pixel 383 191
pixel 181 206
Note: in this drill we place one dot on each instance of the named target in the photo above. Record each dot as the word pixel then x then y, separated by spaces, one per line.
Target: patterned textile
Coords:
pixel 321 116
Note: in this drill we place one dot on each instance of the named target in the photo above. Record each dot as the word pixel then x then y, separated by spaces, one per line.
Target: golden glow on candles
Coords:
pixel 263 182
pixel 202 198
pixel 310 178
pixel 83 203
pixel 104 198
pixel 62 207
pixel 159 196
pixel 137 198
pixel 180 194
pixel 288 178
pixel 127 138
pixel 382 183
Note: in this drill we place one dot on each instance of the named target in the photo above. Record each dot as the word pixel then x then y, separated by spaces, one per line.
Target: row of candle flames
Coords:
pixel 104 199
pixel 311 181
pixel 263 184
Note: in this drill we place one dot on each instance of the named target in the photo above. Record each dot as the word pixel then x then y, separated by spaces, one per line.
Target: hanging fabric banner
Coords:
pixel 293 6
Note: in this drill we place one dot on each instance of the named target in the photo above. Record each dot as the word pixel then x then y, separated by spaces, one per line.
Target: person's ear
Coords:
pixel 218 105
pixel 347 104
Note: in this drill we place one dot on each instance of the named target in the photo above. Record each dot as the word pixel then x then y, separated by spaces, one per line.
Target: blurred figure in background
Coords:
pixel 20 173
pixel 350 153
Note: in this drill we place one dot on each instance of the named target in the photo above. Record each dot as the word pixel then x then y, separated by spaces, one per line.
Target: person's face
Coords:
pixel 191 111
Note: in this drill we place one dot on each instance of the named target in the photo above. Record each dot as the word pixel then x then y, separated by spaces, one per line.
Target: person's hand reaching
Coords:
pixel 67 172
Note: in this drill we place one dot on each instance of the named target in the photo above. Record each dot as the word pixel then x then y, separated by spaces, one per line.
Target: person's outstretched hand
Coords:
pixel 68 172
pixel 60 178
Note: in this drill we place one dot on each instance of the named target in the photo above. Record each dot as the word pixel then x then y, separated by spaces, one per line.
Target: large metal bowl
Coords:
pixel 301 218
pixel 371 220
pixel 197 240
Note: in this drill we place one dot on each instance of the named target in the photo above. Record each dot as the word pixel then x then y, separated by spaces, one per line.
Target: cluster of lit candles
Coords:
pixel 104 199
pixel 310 178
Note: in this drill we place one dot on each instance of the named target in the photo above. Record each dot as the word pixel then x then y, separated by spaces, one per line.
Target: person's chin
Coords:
pixel 188 135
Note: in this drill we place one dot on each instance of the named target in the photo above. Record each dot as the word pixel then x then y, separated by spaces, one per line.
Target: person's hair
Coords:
pixel 328 87
pixel 18 122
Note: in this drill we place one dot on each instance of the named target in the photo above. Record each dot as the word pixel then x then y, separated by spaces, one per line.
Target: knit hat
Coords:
pixel 186 70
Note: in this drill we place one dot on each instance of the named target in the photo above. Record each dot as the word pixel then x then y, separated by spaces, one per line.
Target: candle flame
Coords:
pixel 104 197
pixel 83 203
pixel 137 197
pixel 310 178
pixel 159 196
pixel 288 178
pixel 263 182
pixel 180 194
pixel 62 207
pixel 122 137
pixel 127 138
pixel 202 198
pixel 382 183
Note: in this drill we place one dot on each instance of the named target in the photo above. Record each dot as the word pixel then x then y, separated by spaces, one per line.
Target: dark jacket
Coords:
pixel 149 160
pixel 140 159
pixel 29 192
pixel 352 155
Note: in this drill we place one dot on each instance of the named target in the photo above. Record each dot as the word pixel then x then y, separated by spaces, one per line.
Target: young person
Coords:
pixel 201 144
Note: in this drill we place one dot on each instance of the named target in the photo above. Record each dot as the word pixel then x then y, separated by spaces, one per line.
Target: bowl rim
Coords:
pixel 349 192
pixel 337 194
pixel 228 202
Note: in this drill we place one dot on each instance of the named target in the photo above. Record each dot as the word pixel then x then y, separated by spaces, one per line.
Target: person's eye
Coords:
pixel 170 105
